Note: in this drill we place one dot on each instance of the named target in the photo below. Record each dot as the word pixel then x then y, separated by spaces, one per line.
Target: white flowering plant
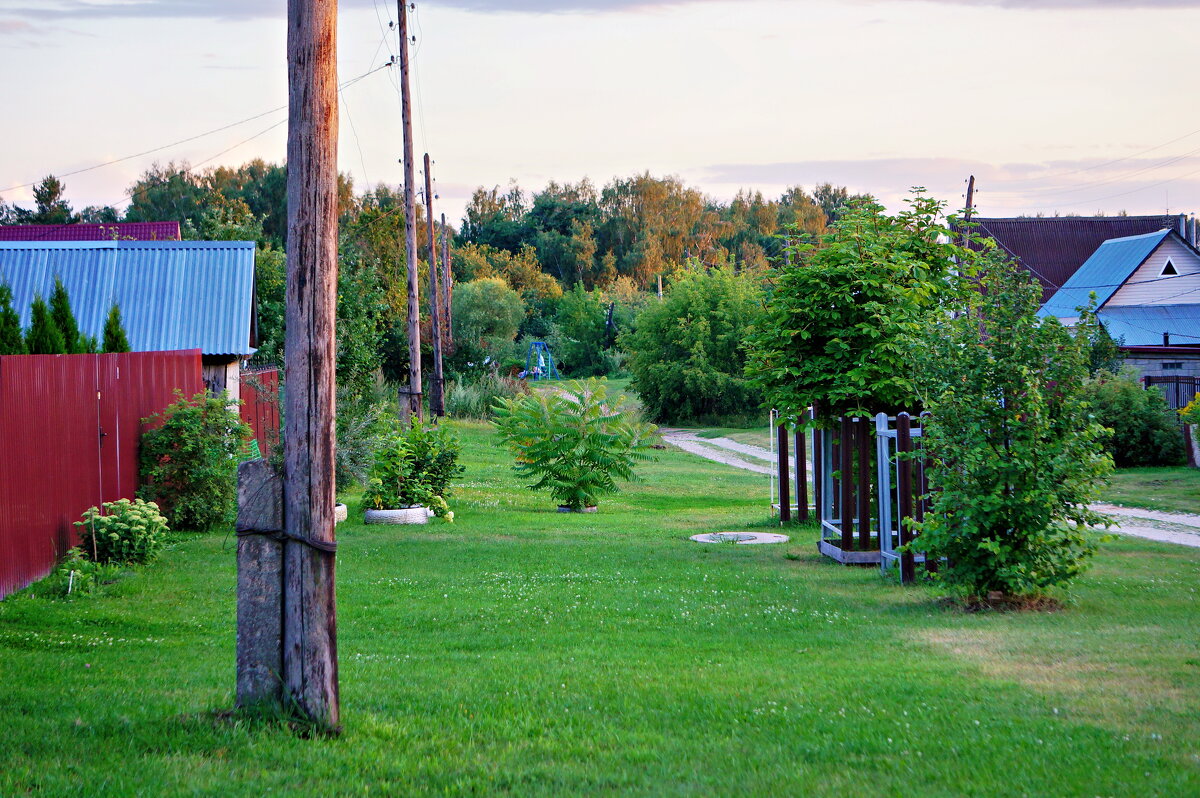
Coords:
pixel 123 531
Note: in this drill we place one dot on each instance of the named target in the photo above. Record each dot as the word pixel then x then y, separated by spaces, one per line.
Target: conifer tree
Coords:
pixel 114 332
pixel 44 337
pixel 64 319
pixel 11 340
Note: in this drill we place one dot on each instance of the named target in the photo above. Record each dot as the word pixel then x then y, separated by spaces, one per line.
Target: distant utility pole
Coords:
pixel 447 284
pixel 410 228
pixel 436 404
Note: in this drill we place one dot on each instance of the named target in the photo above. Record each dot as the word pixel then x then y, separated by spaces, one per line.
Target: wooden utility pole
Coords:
pixel 436 403
pixel 970 207
pixel 413 408
pixel 447 283
pixel 310 674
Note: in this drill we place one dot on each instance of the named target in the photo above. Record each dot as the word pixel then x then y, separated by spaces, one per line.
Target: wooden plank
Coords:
pixel 862 434
pixel 781 440
pixel 846 458
pixel 905 488
pixel 801 475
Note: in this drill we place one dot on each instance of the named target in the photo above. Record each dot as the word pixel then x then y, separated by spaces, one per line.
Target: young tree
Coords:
pixel 114 331
pixel 64 319
pixel 1017 453
pixel 43 336
pixel 52 207
pixel 842 317
pixel 11 340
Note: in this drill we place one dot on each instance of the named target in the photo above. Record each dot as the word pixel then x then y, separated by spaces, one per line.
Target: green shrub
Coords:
pixel 487 314
pixel 1190 413
pixel 687 352
pixel 1016 457
pixel 124 532
pixel 573 442
pixel 475 398
pixel 361 425
pixel 76 575
pixel 1145 431
pixel 189 460
pixel 414 466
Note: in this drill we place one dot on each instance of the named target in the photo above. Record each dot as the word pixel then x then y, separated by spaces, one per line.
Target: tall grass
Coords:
pixel 474 399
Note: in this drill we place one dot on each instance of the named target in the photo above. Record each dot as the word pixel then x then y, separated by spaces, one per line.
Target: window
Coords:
pixel 1169 269
pixel 1177 366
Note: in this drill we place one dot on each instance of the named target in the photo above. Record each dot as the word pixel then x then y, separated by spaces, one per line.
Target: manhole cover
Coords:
pixel 740 538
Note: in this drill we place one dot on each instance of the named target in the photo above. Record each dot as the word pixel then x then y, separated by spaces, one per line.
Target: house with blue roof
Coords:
pixel 172 294
pixel 1147 290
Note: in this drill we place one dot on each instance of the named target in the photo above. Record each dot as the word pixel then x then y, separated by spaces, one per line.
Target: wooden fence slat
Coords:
pixel 801 476
pixel 785 503
pixel 904 483
pixel 863 434
pixel 847 470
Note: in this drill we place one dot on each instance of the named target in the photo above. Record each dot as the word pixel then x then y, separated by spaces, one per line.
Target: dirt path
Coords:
pixel 1179 528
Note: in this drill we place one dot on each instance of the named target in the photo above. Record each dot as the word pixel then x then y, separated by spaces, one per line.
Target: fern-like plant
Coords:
pixel 573 441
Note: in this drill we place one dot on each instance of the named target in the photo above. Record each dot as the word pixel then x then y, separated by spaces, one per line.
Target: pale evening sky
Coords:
pixel 1068 105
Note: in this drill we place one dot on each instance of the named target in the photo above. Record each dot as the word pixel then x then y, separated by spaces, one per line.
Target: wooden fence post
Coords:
pixel 904 485
pixel 785 502
pixel 846 458
pixel 863 431
pixel 801 475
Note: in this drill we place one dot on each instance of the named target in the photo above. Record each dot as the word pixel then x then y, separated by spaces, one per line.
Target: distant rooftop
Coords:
pixel 135 231
pixel 172 294
pixel 1053 248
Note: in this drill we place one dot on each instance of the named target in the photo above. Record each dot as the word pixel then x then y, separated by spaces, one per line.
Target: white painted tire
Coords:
pixel 340 513
pixel 406 515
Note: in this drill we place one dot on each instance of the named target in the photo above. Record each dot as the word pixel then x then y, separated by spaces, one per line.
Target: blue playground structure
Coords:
pixel 539 363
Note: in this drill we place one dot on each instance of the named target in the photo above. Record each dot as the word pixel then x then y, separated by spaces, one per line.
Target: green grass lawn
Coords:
pixel 523 652
pixel 1172 489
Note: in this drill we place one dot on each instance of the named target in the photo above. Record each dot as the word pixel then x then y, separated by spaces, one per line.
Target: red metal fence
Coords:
pixel 260 406
pixel 69 431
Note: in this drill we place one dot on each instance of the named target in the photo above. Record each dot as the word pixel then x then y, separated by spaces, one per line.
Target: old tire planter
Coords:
pixel 591 508
pixel 404 515
pixel 340 513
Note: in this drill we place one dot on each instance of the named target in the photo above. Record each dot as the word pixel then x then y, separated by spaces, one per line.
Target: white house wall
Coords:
pixel 1146 286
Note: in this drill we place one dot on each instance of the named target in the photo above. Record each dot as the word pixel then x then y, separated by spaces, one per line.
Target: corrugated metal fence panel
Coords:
pixel 173 294
pixel 1179 391
pixel 56 464
pixel 260 407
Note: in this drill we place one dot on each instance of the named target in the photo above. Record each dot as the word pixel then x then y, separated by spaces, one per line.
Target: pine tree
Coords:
pixel 11 340
pixel 44 337
pixel 64 319
pixel 114 332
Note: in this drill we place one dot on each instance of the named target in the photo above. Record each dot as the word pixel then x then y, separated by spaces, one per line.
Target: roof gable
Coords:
pixel 1103 273
pixel 1053 248
pixel 172 294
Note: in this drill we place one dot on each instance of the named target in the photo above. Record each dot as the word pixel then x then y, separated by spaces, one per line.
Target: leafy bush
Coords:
pixel 573 442
pixel 475 398
pixel 361 424
pixel 1190 413
pixel 1017 457
pixel 487 314
pixel 580 338
pixel 1145 431
pixel 686 352
pixel 189 460
pixel 76 575
pixel 414 466
pixel 124 532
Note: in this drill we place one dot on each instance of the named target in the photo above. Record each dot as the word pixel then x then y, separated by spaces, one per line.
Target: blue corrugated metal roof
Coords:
pixel 172 294
pixel 1103 273
pixel 1144 325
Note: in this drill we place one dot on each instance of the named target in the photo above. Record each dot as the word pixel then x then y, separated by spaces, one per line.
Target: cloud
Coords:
pixel 231 10
pixel 12 27
pixel 1084 185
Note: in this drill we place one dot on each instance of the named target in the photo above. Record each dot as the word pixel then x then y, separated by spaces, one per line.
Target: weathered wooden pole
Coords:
pixel 413 407
pixel 436 402
pixel 781 444
pixel 447 294
pixel 310 674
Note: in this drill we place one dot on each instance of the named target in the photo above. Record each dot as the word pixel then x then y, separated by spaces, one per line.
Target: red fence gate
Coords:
pixel 69 431
pixel 260 406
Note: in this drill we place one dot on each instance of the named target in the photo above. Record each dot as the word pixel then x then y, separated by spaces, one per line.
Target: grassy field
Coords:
pixel 523 652
pixel 1171 489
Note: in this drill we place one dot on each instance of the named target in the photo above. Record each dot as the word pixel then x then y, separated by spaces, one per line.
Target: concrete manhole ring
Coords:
pixel 740 538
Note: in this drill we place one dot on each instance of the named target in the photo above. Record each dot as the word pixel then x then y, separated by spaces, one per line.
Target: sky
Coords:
pixel 1068 106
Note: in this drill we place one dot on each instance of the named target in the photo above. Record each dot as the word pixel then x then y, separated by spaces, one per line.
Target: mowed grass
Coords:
pixel 1171 489
pixel 523 652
